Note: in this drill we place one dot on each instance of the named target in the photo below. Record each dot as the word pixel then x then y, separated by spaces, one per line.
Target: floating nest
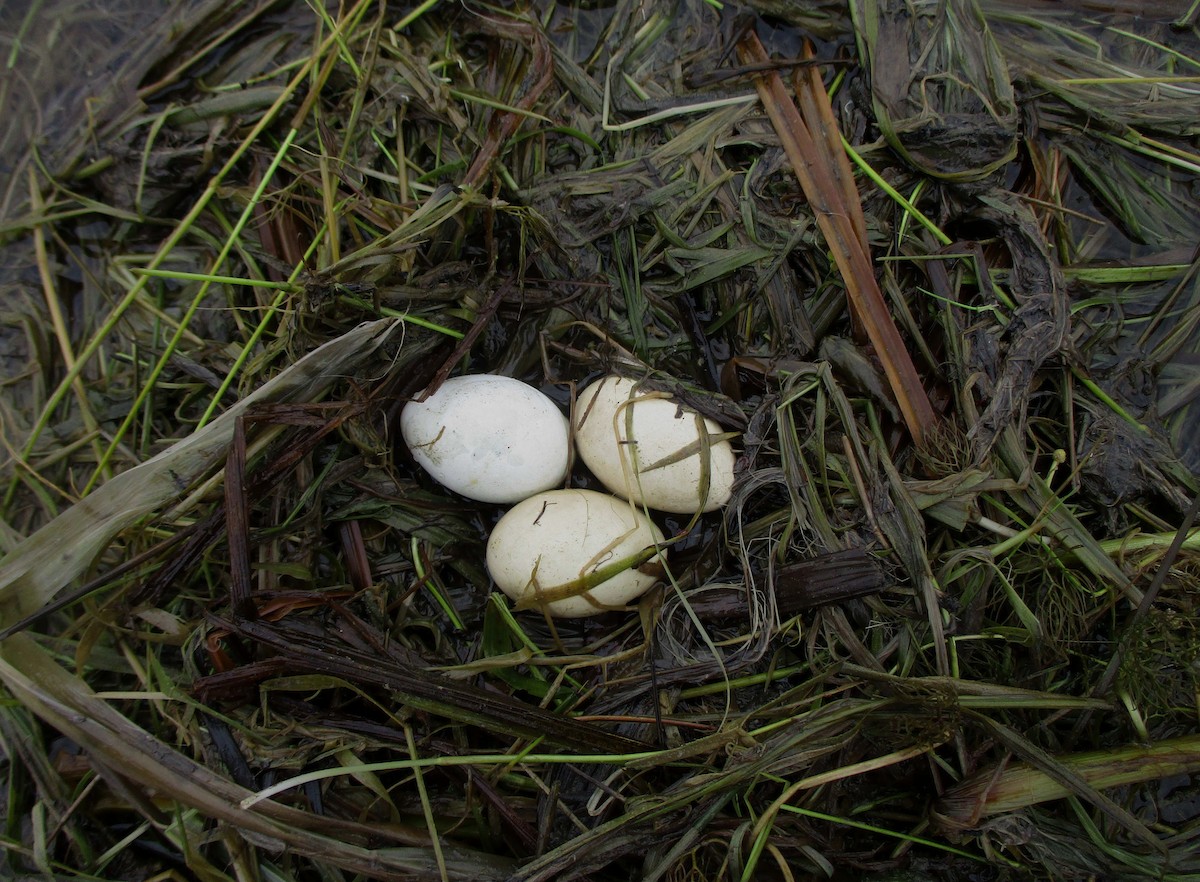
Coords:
pixel 934 264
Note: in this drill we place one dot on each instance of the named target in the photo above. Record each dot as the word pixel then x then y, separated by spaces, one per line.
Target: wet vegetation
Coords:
pixel 934 262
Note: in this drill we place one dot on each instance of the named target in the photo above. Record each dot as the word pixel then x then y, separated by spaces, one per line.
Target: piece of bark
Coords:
pixel 800 586
pixel 830 578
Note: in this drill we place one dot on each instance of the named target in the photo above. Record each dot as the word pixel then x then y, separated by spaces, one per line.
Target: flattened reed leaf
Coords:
pixel 939 84
pixel 50 559
pixel 1083 775
pixel 134 756
pixel 432 692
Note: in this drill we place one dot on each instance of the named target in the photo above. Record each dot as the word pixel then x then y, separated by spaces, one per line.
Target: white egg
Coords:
pixel 494 439
pixel 574 553
pixel 645 446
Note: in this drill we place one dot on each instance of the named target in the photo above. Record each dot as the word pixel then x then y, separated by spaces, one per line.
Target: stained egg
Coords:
pixel 645 446
pixel 574 553
pixel 489 438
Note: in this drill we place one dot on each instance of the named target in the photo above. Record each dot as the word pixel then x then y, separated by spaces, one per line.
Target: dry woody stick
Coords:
pixel 819 176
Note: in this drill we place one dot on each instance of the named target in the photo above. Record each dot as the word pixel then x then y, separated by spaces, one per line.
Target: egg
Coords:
pixel 645 446
pixel 574 553
pixel 490 438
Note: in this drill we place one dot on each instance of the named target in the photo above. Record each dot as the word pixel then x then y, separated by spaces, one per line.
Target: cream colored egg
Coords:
pixel 645 446
pixel 489 438
pixel 574 553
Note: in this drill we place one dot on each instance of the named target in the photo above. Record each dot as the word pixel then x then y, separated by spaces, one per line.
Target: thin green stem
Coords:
pixel 168 246
pixel 163 360
pixel 895 194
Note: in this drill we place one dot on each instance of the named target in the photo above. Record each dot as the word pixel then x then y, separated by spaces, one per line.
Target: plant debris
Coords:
pixel 932 266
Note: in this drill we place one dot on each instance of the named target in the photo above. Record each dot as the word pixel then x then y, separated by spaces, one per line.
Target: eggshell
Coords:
pixel 542 548
pixel 494 439
pixel 631 438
